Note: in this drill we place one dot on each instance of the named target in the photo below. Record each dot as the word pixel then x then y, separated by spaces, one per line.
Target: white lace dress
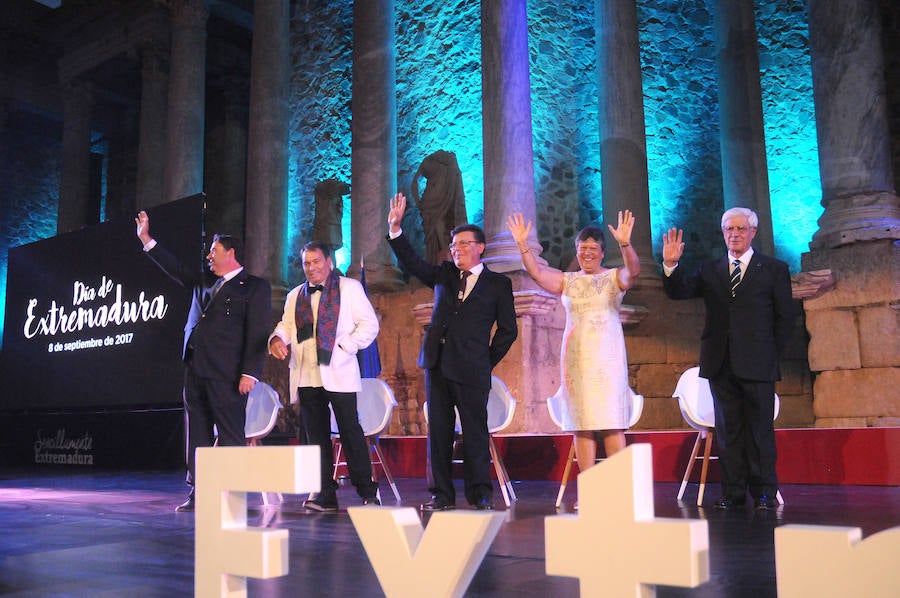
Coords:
pixel 593 387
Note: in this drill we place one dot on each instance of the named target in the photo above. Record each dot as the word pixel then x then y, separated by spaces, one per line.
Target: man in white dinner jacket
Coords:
pixel 326 320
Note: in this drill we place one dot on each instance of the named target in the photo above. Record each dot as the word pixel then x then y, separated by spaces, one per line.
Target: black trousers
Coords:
pixel 316 430
pixel 209 402
pixel 443 396
pixel 745 434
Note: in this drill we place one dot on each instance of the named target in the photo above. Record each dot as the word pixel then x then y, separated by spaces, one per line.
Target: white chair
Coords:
pixel 263 405
pixel 501 407
pixel 696 403
pixel 374 404
pixel 555 407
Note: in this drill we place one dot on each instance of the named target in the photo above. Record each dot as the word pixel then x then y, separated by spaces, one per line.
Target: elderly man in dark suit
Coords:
pixel 224 342
pixel 458 355
pixel 749 318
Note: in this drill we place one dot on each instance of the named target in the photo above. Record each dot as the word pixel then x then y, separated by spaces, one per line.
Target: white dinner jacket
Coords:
pixel 357 327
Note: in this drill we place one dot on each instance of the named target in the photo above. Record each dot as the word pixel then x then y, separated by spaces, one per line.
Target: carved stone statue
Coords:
pixel 442 204
pixel 329 209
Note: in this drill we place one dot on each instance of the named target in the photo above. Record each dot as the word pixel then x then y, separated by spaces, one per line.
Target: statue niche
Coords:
pixel 442 204
pixel 329 209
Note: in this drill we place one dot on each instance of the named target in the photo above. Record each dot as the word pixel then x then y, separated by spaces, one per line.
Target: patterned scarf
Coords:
pixel 326 322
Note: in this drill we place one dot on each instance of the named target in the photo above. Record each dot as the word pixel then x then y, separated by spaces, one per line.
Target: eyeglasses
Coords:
pixel 461 244
pixel 736 229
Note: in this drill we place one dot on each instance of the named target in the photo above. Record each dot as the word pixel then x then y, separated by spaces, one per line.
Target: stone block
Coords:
pixel 796 411
pixel 795 378
pixel 862 393
pixel 658 380
pixel 834 340
pixel 866 274
pixel 841 422
pixel 661 413
pixel 683 350
pixel 879 336
pixel 645 349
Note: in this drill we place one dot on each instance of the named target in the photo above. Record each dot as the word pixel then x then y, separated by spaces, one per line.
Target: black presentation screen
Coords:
pixel 91 321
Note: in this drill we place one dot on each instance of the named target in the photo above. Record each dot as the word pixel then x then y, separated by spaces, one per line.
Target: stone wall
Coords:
pixel 854 348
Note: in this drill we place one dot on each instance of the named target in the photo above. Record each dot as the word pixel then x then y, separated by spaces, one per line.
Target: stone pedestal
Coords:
pixel 854 330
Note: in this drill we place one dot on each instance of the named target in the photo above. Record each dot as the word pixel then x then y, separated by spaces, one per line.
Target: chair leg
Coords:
pixel 690 466
pixel 374 446
pixel 506 487
pixel 338 451
pixel 705 467
pixel 565 477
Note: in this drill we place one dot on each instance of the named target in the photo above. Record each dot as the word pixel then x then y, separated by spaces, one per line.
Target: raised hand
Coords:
pixel 622 233
pixel 673 247
pixel 142 222
pixel 519 230
pixel 395 216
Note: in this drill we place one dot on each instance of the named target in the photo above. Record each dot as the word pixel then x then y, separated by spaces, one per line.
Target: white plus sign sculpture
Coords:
pixel 615 546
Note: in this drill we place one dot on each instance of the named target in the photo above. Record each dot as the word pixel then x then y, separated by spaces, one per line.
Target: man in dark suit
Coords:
pixel 458 355
pixel 749 318
pixel 224 342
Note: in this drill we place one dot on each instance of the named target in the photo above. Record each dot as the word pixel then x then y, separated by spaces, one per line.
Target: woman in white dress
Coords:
pixel 594 371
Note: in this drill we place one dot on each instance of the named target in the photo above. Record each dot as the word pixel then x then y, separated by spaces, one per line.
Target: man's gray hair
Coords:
pixel 752 218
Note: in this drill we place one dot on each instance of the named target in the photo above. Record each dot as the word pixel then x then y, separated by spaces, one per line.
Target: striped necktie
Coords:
pixel 735 276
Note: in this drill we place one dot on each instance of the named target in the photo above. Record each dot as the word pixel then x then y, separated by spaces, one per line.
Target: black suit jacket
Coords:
pixel 229 338
pixel 468 353
pixel 753 327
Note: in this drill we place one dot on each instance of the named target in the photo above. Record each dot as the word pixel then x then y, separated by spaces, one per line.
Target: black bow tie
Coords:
pixel 316 287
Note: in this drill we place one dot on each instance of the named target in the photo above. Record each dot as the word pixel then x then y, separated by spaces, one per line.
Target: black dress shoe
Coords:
pixel 730 503
pixel 187 506
pixel 371 501
pixel 484 504
pixel 437 504
pixel 321 503
pixel 765 503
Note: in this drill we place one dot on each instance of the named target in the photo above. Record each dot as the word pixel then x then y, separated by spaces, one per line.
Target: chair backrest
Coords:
pixel 635 408
pixel 696 401
pixel 262 410
pixel 375 404
pixel 501 406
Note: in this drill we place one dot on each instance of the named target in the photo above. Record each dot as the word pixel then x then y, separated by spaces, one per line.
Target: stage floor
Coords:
pixel 116 534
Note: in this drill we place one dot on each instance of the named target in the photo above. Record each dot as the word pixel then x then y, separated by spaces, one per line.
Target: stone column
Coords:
pixel 121 164
pixel 854 330
pixel 506 128
pixel 230 185
pixel 745 176
pixel 152 128
pixel 267 140
pixel 187 100
pixel 75 176
pixel 623 143
pixel 373 130
pixel 852 124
